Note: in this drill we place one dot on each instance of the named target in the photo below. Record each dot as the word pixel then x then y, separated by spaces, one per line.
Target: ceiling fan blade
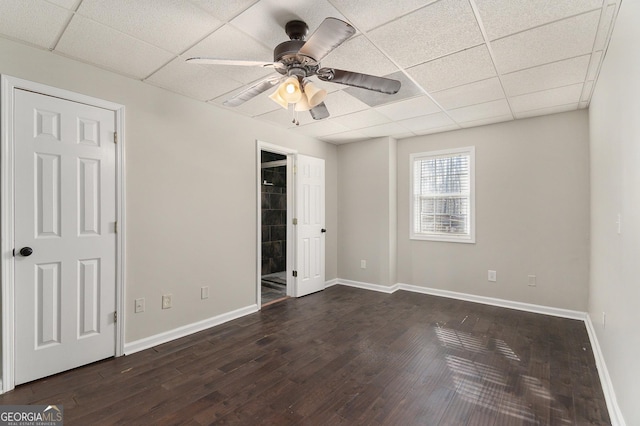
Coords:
pixel 329 35
pixel 252 91
pixel 356 79
pixel 242 63
pixel 319 111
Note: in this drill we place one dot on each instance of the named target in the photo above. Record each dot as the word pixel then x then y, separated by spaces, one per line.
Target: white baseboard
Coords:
pixel 605 380
pixel 527 307
pixel 185 330
pixel 368 286
pixel 330 283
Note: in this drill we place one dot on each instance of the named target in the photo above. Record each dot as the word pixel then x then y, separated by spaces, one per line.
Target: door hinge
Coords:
pixel 115 137
pixel 295 221
pixel 295 273
pixel 115 227
pixel 295 169
pixel 115 317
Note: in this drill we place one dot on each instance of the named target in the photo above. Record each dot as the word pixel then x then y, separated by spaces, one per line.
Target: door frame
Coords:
pixel 8 85
pixel 291 247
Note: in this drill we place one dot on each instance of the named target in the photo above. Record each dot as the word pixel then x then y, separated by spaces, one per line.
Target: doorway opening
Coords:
pixel 273 211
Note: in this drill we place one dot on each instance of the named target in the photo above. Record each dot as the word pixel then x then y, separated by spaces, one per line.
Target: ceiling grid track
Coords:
pixel 487 42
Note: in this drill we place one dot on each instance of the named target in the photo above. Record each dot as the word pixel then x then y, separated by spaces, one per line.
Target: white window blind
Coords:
pixel 442 195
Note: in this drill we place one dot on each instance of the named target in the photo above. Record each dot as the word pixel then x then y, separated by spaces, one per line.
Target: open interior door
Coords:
pixel 310 232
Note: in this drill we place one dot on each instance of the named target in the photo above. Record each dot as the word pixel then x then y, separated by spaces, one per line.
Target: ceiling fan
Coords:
pixel 297 60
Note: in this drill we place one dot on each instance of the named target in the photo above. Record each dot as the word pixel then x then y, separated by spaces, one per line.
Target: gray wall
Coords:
pixel 532 214
pixel 614 117
pixel 366 211
pixel 532 204
pixel 191 191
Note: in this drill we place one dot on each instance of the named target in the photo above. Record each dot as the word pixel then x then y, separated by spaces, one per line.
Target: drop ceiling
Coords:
pixel 462 63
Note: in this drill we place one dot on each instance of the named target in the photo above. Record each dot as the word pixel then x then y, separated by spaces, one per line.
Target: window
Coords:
pixel 442 195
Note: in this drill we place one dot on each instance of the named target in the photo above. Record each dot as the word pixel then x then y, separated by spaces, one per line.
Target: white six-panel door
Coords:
pixel 65 211
pixel 310 235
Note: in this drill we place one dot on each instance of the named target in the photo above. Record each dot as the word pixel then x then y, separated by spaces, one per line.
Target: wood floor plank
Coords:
pixel 346 356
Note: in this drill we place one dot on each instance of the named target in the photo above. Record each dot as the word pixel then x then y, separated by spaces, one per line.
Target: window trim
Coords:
pixel 469 239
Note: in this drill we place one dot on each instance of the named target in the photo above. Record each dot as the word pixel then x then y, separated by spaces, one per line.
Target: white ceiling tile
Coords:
pixel 283 118
pixel 100 45
pixel 302 119
pixel 340 103
pixel 454 70
pixel 192 80
pixel 547 98
pixel 368 14
pixel 481 111
pixel 321 128
pixel 410 108
pixel 67 4
pixel 344 137
pixel 547 111
pixel 37 23
pixel 552 42
pixel 485 121
pixel 359 55
pixel 265 20
pixel 229 43
pixel 596 58
pixel 362 119
pixel 605 26
pixel 427 122
pixel 470 94
pixel 548 76
pixel 501 18
pixel 586 91
pixel 436 30
pixel 172 25
pixel 224 10
pixel 279 117
pixel 388 129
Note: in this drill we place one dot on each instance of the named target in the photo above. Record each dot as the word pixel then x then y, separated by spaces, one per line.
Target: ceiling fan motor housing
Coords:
pixel 287 52
pixel 296 30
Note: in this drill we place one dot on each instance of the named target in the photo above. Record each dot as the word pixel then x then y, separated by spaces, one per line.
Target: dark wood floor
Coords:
pixel 346 356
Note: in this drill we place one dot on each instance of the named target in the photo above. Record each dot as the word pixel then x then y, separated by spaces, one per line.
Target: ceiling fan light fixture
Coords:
pixel 275 97
pixel 290 90
pixel 303 104
pixel 314 94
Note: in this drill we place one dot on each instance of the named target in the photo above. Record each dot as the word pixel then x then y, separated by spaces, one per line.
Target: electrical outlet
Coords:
pixel 204 292
pixel 363 264
pixel 139 305
pixel 492 276
pixel 166 301
pixel 532 280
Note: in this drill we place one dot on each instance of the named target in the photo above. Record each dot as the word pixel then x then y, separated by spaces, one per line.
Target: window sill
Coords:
pixel 443 238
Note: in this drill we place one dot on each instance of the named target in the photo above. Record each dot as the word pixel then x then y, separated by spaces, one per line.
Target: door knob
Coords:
pixel 26 251
pixel 323 230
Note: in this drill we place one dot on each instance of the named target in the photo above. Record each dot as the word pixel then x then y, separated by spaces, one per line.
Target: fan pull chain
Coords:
pixel 294 115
